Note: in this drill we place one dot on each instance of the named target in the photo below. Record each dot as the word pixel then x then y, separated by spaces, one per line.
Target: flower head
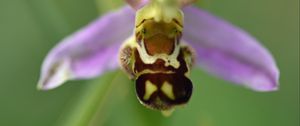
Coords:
pixel 219 48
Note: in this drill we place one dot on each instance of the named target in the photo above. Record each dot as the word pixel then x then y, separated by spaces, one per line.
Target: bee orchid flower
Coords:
pixel 163 39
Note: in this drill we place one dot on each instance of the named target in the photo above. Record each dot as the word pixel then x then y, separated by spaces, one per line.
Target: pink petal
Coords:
pixel 89 52
pixel 184 3
pixel 229 52
pixel 137 4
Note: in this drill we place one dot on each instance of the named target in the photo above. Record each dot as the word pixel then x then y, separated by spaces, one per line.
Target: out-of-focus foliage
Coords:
pixel 29 28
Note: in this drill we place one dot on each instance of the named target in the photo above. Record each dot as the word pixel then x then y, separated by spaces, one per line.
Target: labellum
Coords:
pixel 156 58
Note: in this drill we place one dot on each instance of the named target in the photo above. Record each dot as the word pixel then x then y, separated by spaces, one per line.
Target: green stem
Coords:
pixel 87 102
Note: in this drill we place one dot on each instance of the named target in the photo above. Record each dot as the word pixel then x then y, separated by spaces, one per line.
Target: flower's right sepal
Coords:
pixel 229 52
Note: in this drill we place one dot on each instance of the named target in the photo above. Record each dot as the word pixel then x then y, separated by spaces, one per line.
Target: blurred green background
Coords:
pixel 30 28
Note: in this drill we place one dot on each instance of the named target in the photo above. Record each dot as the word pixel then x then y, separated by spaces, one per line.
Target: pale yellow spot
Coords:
pixel 167 113
pixel 168 90
pixel 149 89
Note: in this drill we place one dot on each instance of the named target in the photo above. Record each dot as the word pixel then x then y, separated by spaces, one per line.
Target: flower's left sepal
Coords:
pixel 89 52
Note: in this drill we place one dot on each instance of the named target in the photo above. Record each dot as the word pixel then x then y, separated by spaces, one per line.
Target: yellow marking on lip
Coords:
pixel 149 71
pixel 167 88
pixel 149 89
pixel 168 112
pixel 170 60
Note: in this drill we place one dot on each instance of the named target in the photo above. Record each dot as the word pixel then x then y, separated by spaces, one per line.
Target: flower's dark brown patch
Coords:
pixel 176 78
pixel 181 88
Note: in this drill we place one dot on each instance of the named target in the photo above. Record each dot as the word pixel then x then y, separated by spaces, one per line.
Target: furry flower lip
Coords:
pixel 152 41
pixel 156 58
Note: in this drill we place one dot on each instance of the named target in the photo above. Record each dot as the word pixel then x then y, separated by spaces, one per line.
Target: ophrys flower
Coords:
pixel 155 52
